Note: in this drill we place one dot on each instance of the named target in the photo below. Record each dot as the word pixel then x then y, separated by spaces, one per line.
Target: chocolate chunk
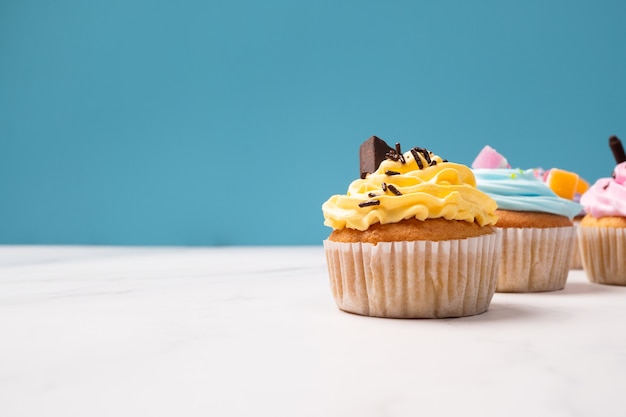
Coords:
pixel 372 153
pixel 618 149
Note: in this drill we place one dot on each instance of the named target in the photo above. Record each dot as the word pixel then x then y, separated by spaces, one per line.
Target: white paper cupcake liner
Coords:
pixel 417 279
pixel 576 262
pixel 535 259
pixel 603 253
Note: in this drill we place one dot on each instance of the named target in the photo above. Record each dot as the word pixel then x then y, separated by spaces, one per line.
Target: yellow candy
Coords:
pixel 563 183
pixel 582 186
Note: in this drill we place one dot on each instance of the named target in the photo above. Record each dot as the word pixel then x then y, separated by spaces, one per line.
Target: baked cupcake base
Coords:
pixel 414 279
pixel 602 244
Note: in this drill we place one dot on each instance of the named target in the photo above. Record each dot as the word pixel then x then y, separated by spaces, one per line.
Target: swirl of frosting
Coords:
pixel 607 197
pixel 422 188
pixel 520 190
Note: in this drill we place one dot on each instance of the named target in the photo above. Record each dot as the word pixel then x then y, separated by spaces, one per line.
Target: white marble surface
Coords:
pixel 113 331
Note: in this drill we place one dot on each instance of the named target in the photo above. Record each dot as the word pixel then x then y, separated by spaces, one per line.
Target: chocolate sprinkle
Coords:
pixel 417 158
pixel 384 187
pixel 399 153
pixel 390 172
pixel 433 162
pixel 425 153
pixel 372 195
pixel 606 186
pixel 444 160
pixel 392 155
pixel 393 189
pixel 369 203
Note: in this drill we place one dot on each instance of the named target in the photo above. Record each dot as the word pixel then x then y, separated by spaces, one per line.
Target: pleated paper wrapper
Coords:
pixel 535 259
pixel 414 279
pixel 603 252
pixel 577 262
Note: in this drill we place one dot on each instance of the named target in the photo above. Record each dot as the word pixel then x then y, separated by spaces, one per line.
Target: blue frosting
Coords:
pixel 518 190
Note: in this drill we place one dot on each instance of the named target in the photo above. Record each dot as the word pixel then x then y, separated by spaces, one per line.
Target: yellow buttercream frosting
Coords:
pixel 424 190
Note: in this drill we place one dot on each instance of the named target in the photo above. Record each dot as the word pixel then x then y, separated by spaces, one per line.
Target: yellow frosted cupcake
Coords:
pixel 412 238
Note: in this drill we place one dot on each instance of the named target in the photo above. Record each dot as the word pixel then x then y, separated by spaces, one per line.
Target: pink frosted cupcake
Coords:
pixel 602 233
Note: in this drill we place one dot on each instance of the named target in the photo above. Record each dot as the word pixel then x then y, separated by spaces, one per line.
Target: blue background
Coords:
pixel 230 122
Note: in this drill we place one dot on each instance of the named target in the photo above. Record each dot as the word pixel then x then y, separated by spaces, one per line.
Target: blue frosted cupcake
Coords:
pixel 537 230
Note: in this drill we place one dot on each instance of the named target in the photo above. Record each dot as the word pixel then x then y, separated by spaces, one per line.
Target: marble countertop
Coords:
pixel 117 331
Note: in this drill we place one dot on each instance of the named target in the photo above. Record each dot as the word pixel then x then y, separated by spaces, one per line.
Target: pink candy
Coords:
pixel 490 158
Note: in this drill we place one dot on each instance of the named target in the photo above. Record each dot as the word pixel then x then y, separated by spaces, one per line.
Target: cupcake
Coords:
pixel 412 238
pixel 568 185
pixel 536 226
pixel 602 232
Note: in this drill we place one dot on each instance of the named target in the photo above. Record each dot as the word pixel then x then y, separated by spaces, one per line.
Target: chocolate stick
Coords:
pixel 618 149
